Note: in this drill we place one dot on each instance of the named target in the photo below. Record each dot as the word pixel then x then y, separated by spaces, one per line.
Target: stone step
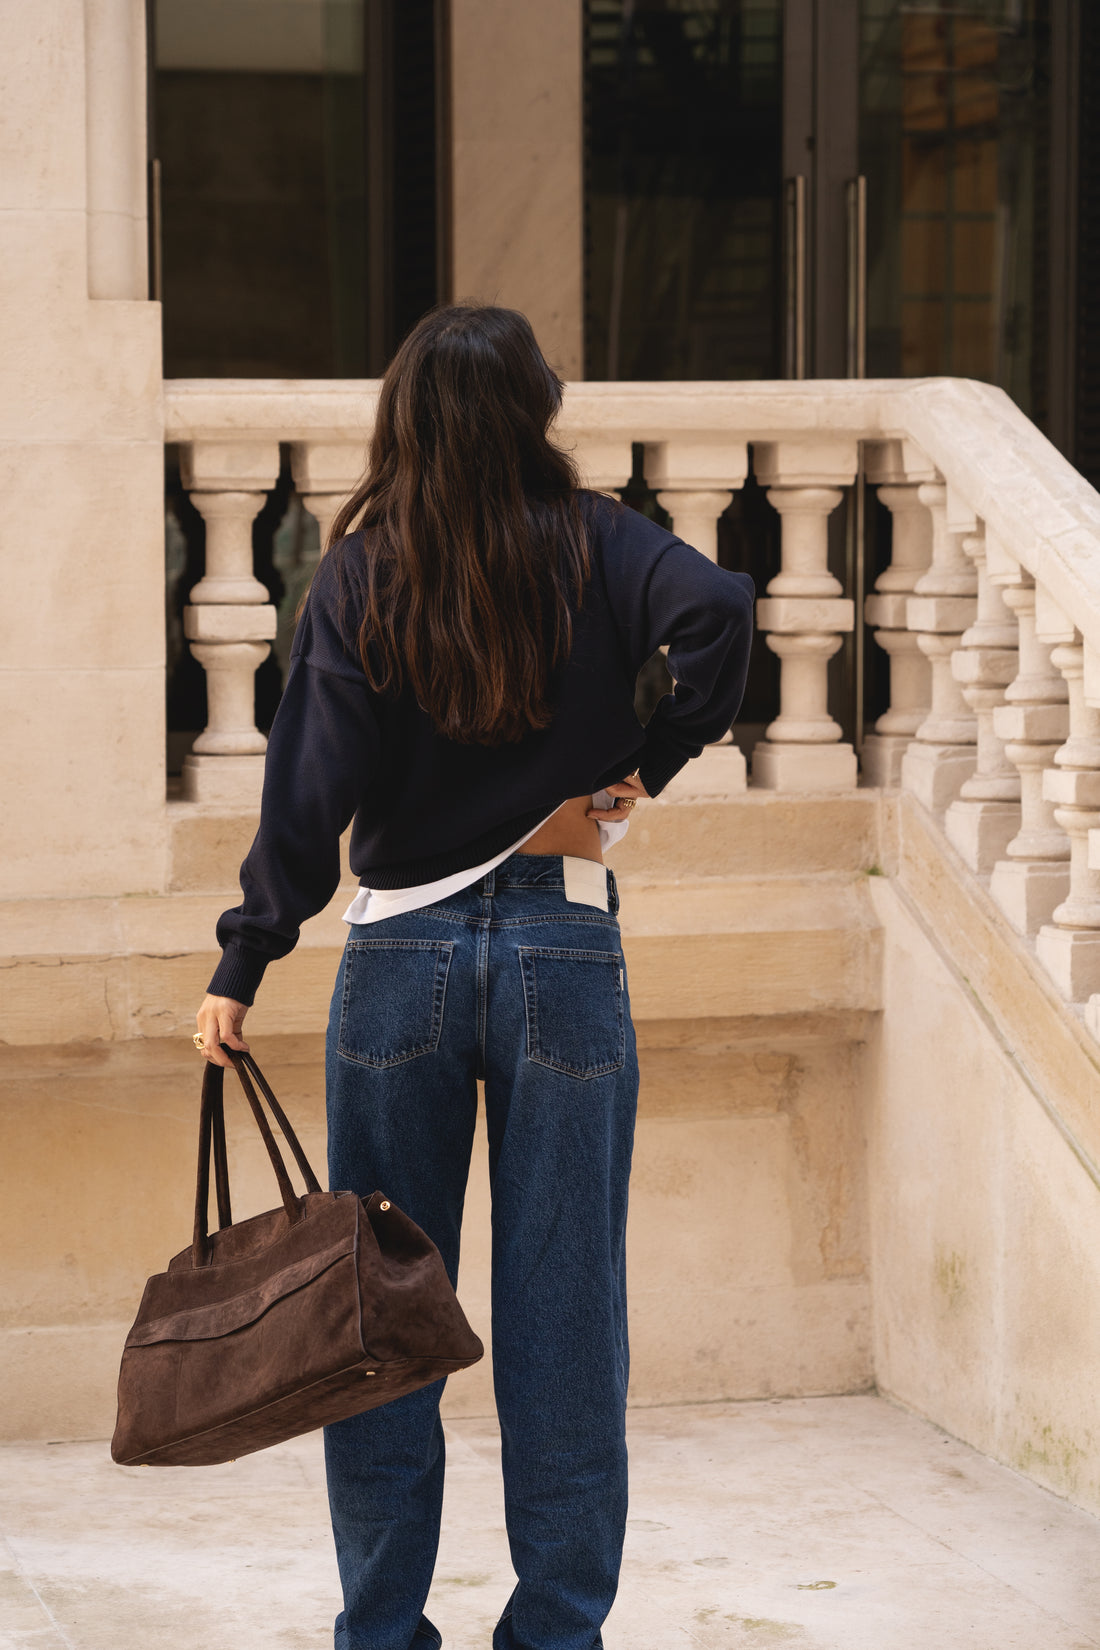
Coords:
pixel 737 946
pixel 114 969
pixel 681 833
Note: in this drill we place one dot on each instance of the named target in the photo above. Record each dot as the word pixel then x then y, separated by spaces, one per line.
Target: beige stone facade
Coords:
pixel 870 1121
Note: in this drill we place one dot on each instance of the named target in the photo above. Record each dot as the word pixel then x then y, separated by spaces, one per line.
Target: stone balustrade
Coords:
pixel 988 607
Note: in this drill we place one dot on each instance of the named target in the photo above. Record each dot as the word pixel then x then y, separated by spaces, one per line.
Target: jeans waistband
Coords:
pixel 537 871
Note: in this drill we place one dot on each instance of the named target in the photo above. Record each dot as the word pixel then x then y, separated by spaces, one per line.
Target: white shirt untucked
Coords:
pixel 374 904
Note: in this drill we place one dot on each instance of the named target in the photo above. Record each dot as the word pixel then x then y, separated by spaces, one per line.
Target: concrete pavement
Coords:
pixel 826 1523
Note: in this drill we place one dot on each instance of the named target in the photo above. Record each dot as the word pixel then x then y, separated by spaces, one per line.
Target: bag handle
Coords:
pixel 221 1160
pixel 245 1059
pixel 212 1138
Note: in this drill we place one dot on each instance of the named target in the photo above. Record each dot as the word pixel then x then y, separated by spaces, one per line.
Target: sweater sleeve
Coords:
pixel 322 753
pixel 704 615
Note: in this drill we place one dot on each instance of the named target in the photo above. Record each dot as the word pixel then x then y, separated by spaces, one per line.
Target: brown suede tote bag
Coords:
pixel 327 1306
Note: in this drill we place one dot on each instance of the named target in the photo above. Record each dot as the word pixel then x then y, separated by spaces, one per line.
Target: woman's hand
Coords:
pixel 621 789
pixel 219 1021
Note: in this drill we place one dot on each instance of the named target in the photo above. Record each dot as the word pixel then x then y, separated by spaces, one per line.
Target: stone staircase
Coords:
pixel 867 1147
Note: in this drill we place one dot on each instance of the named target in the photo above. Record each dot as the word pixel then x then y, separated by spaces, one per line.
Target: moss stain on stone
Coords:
pixel 767 1631
pixel 949 1269
pixel 1052 1456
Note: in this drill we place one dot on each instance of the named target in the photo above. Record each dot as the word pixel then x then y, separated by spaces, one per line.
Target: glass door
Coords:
pixel 954 139
pixel 918 169
pixel 682 191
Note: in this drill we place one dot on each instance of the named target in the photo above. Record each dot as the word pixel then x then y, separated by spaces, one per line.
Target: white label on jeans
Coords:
pixel 585 882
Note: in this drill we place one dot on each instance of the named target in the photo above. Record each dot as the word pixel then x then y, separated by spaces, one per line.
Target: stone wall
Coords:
pixel 755 998
pixel 81 450
pixel 984 1189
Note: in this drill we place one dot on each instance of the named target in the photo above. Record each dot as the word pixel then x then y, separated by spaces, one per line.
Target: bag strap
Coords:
pixel 280 1116
pixel 212 1138
pixel 221 1160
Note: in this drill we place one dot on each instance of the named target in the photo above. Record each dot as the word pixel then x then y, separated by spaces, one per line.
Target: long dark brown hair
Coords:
pixel 473 539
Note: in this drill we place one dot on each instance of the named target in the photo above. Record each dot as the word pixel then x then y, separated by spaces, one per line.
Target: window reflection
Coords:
pixel 952 129
pixel 683 106
pixel 259 118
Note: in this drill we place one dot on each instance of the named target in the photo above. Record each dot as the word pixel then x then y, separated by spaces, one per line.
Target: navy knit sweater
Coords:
pixel 425 806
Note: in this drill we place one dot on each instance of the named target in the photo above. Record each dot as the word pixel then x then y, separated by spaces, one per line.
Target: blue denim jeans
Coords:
pixel 507 981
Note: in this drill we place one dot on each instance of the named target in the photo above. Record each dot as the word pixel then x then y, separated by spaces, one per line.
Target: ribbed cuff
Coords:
pixel 238 975
pixel 661 762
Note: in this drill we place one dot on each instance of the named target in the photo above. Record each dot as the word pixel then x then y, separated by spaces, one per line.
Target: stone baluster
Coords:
pixel 325 474
pixel 1033 876
pixel 805 616
pixel 605 463
pixel 694 481
pixel 1069 945
pixel 1091 690
pixel 896 469
pixel 985 815
pixel 943 753
pixel 229 621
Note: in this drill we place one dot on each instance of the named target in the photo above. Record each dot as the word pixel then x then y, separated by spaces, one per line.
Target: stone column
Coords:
pixel 1069 946
pixel 515 155
pixel 694 481
pixel 986 814
pixel 897 469
pixel 114 148
pixel 229 621
pixel 943 753
pixel 1033 876
pixel 805 615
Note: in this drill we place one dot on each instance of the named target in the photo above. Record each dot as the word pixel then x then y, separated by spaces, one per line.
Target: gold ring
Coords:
pixel 197 1040
pixel 627 801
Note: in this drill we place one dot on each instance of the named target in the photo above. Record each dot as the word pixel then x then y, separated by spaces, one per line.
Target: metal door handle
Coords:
pixel 856 195
pixel 794 259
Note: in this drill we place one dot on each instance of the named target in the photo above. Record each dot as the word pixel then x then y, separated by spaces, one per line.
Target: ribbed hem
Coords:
pixel 661 761
pixel 238 975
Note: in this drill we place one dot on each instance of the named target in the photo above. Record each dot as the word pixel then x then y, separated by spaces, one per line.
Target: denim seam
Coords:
pixel 596 920
pixel 586 955
pixel 473 919
pixel 482 965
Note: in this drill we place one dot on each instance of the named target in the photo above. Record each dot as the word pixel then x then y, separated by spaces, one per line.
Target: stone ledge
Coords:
pixel 764 1342
pixel 687 831
pixel 116 969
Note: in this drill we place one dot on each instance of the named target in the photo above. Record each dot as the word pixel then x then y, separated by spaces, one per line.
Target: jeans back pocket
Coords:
pixel 392 1007
pixel 574 1005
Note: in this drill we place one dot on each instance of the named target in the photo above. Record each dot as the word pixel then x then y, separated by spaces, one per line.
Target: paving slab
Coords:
pixel 805 1524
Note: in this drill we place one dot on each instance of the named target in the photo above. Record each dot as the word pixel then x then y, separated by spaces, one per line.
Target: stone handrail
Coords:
pixel 989 610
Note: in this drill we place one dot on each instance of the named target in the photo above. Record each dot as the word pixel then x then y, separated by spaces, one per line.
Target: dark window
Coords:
pixel 296 142
pixel 683 159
